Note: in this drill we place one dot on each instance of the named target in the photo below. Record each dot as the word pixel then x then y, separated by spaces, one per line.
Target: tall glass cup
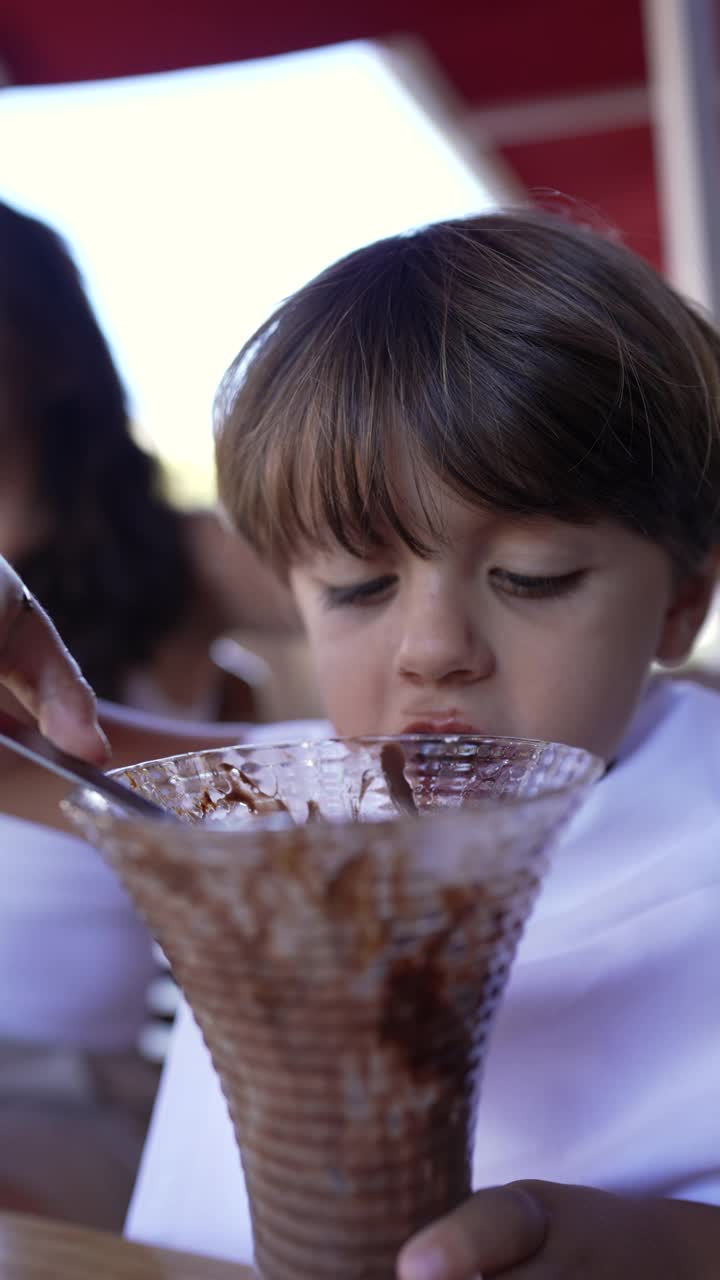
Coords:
pixel 342 917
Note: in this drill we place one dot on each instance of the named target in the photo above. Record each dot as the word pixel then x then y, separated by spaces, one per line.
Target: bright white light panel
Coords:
pixel 194 201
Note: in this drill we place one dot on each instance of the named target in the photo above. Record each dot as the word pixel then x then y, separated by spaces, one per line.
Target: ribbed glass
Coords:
pixel 344 958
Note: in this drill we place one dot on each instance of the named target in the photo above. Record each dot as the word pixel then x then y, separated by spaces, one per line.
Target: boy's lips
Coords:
pixel 440 724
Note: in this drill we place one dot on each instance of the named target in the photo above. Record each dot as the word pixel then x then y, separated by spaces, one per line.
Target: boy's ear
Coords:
pixel 687 610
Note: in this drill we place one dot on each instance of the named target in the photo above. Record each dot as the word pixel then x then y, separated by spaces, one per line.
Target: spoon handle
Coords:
pixel 28 742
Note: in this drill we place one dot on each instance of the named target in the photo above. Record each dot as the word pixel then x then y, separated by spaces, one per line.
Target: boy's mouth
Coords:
pixel 440 725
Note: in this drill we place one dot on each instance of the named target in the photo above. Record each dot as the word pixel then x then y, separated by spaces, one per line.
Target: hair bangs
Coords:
pixel 336 468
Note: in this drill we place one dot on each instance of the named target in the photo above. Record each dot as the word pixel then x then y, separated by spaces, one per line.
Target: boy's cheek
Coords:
pixel 351 699
pixel 348 710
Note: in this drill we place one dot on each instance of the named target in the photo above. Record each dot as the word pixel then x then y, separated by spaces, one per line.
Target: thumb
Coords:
pixel 493 1230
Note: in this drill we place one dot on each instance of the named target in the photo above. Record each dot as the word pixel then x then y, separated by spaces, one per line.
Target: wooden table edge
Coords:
pixel 34 1248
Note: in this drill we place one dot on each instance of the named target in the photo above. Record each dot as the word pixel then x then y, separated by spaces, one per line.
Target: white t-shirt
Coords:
pixel 604 1065
pixel 75 960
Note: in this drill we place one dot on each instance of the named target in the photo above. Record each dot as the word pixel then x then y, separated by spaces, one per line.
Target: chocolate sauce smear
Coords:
pixel 392 762
pixel 244 789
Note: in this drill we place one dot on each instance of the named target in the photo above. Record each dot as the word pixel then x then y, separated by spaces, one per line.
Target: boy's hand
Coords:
pixel 547 1231
pixel 38 670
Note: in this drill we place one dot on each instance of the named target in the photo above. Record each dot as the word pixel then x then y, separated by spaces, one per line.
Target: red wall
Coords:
pixel 491 50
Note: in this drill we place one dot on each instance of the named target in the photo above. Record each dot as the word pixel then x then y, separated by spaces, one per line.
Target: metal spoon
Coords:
pixel 28 742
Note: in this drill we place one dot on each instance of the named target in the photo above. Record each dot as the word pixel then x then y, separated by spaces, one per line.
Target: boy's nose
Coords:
pixel 440 645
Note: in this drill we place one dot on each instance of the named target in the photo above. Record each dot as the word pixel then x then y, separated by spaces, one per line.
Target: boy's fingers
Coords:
pixel 37 668
pixel 494 1230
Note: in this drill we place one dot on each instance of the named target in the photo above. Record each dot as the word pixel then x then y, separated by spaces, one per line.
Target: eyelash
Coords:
pixel 358 594
pixel 532 587
pixel 524 586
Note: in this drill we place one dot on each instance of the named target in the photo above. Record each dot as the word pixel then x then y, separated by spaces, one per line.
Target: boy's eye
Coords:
pixel 370 592
pixel 535 587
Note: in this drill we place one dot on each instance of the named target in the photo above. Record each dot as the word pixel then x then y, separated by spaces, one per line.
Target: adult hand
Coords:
pixel 546 1231
pixel 38 670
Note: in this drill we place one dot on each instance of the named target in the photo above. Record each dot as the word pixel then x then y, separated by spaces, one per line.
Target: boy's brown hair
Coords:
pixel 533 366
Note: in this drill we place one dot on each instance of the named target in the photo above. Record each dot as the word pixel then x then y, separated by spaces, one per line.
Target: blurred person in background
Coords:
pixel 139 590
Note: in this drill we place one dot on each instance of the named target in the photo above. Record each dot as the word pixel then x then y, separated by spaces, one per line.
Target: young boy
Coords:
pixel 487 458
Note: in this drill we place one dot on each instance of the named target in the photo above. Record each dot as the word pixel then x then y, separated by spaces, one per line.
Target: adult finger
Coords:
pixel 494 1230
pixel 37 668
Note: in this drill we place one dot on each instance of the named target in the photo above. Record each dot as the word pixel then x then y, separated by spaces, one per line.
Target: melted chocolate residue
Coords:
pixel 314 813
pixel 418 1015
pixel 245 790
pixel 392 761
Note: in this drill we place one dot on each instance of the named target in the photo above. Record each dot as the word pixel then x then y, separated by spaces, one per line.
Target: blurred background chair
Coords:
pixel 275 669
